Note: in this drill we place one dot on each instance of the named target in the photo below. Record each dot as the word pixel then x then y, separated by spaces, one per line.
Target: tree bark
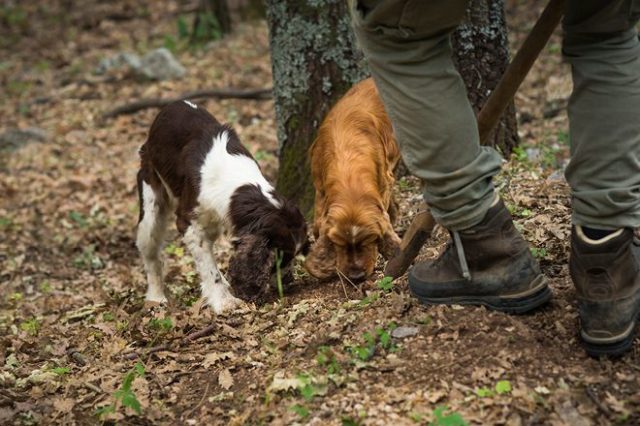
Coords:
pixel 481 56
pixel 247 9
pixel 315 61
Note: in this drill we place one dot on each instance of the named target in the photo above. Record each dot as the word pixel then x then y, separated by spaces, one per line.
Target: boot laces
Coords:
pixel 461 257
pixel 456 250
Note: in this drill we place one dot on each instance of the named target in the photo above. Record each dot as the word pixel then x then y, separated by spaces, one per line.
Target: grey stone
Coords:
pixel 533 155
pixel 404 331
pixel 160 64
pixel 13 139
pixel 119 60
pixel 556 176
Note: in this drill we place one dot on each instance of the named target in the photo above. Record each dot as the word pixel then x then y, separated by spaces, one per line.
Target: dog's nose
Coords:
pixel 357 276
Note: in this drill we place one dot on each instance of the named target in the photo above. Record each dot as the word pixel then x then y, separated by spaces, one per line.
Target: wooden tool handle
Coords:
pixel 519 68
pixel 417 234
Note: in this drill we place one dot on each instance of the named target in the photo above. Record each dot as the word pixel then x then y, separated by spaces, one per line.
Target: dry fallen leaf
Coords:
pixel 212 358
pixel 225 379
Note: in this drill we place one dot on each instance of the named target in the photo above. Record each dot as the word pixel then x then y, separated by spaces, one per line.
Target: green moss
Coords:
pixel 294 179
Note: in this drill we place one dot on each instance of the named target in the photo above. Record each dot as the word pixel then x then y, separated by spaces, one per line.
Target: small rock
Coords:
pixel 118 61
pixel 556 176
pixel 13 139
pixel 160 64
pixel 404 331
pixel 533 155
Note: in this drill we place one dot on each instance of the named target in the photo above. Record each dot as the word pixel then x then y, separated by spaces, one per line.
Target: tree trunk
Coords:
pixel 315 61
pixel 212 20
pixel 245 10
pixel 481 56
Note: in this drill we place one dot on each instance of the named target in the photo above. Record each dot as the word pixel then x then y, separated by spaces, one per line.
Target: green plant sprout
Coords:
pixel 125 396
pixel 279 256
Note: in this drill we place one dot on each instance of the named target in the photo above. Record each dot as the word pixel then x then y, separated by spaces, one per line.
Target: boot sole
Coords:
pixel 616 349
pixel 512 304
pixel 610 349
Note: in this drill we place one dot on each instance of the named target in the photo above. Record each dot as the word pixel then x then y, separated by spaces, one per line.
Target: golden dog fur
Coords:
pixel 352 164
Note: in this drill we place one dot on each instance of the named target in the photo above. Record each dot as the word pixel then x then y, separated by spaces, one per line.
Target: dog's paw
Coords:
pixel 390 247
pixel 320 271
pixel 220 298
pixel 155 297
pixel 321 260
pixel 226 304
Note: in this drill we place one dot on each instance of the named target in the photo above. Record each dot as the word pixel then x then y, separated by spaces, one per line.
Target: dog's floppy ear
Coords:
pixel 250 267
pixel 321 261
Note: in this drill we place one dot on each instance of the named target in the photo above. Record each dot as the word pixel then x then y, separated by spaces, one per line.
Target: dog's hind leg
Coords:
pixel 154 218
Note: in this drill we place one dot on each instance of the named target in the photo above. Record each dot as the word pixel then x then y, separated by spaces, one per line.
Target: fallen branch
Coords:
pixel 164 347
pixel 198 334
pixel 257 94
pixel 135 355
pixel 93 387
pixel 591 394
pixel 180 374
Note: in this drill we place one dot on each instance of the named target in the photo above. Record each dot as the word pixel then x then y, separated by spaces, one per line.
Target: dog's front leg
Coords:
pixel 215 288
pixel 390 244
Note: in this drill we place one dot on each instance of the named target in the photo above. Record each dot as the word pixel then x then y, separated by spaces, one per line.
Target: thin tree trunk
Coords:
pixel 219 9
pixel 315 61
pixel 481 56
pixel 247 9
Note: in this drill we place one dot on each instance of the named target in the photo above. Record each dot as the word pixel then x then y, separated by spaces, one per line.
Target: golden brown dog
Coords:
pixel 352 163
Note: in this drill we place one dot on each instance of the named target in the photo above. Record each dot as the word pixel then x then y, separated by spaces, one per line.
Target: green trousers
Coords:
pixel 407 45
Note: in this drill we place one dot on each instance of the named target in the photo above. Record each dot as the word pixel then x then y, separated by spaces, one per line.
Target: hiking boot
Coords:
pixel 606 274
pixel 488 264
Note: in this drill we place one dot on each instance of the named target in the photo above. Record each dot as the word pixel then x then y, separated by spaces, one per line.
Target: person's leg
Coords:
pixel 407 46
pixel 602 46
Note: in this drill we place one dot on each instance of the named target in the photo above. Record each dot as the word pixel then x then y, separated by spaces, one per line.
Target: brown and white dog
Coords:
pixel 352 163
pixel 193 165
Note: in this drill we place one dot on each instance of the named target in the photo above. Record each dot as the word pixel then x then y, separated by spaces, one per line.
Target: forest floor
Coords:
pixel 79 346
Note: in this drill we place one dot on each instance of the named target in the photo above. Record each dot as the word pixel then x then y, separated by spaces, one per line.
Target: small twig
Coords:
pixel 135 355
pixel 93 387
pixel 256 94
pixel 204 395
pixel 189 338
pixel 12 397
pixel 346 296
pixel 198 334
pixel 358 288
pixel 591 394
pixel 183 373
pixel 6 401
pixel 635 367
